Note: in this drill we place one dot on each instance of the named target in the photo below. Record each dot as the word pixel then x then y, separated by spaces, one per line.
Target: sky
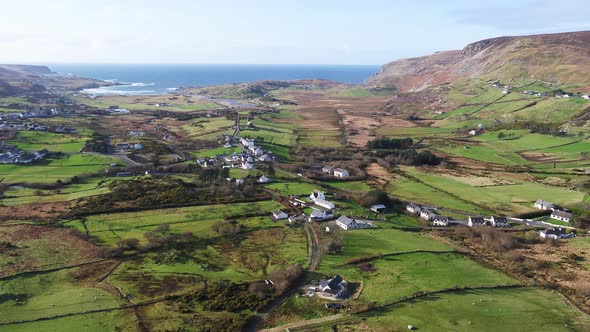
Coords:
pixel 266 31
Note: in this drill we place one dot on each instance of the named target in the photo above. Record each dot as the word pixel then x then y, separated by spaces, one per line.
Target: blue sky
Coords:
pixel 265 31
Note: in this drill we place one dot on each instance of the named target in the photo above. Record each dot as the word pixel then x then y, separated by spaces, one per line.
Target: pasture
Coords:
pixel 514 309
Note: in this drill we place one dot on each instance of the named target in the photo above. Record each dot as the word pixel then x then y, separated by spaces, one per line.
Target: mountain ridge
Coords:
pixel 556 58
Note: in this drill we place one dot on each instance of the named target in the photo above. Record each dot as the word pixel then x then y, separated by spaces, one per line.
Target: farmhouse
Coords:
pixel 555 234
pixel 378 208
pixel 496 221
pixel 316 194
pixel 561 215
pixel 324 203
pixel 320 215
pixel 278 215
pixel 341 173
pixel 476 221
pixel 413 208
pixel 544 205
pixel 346 223
pixel 335 287
pixel 293 219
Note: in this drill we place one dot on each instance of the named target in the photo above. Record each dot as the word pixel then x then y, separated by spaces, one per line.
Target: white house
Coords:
pixel 328 170
pixel 346 223
pixel 335 287
pixel 427 214
pixel 544 205
pixel 293 219
pixel 585 96
pixel 441 221
pixel 247 165
pixel 316 194
pixel 413 208
pixel 264 179
pixel 499 221
pixel 325 204
pixel 341 173
pixel 555 234
pixel 473 132
pixel 561 215
pixel 320 215
pixel 278 215
pixel 476 221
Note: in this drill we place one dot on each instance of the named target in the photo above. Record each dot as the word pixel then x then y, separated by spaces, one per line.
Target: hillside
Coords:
pixel 562 58
pixel 21 79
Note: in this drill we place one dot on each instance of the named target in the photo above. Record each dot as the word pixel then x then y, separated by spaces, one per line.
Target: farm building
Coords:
pixel 319 215
pixel 440 221
pixel 279 215
pixel 476 221
pixel 324 203
pixel 264 179
pixel 347 223
pixel 561 216
pixel 499 221
pixel 378 208
pixel 413 208
pixel 544 205
pixel 247 165
pixel 341 173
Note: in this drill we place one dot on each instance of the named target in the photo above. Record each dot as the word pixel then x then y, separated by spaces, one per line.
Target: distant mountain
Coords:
pixel 23 79
pixel 554 58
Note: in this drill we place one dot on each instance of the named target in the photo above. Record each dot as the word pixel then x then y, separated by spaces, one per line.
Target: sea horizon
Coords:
pixel 154 79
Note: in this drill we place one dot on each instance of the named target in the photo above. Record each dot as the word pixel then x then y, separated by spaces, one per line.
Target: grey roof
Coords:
pixel 477 219
pixel 543 202
pixel 345 220
pixel 334 283
pixel 562 214
pixel 499 219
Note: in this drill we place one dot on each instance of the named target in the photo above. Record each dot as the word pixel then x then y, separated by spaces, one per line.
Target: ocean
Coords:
pixel 158 79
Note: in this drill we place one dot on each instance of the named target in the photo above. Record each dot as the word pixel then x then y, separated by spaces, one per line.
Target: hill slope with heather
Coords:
pixel 562 58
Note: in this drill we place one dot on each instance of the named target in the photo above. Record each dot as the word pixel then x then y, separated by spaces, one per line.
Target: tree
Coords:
pixel 375 197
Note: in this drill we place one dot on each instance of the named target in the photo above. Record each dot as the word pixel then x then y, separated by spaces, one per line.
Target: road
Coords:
pixel 313 265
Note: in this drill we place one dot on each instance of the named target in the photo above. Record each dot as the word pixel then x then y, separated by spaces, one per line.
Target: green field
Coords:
pixel 34 141
pixel 52 169
pixel 519 309
pixel 49 294
pixel 403 275
pixel 516 196
pixel 371 242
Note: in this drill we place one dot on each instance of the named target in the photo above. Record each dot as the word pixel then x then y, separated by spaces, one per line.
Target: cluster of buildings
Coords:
pixel 12 155
pixel 245 160
pixel 555 234
pixel 493 221
pixel 557 212
pixel 428 215
pixel 38 112
pixel 335 288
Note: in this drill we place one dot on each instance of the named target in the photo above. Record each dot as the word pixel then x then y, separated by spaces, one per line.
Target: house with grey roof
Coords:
pixel 347 223
pixel 561 215
pixel 544 205
pixel 476 221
